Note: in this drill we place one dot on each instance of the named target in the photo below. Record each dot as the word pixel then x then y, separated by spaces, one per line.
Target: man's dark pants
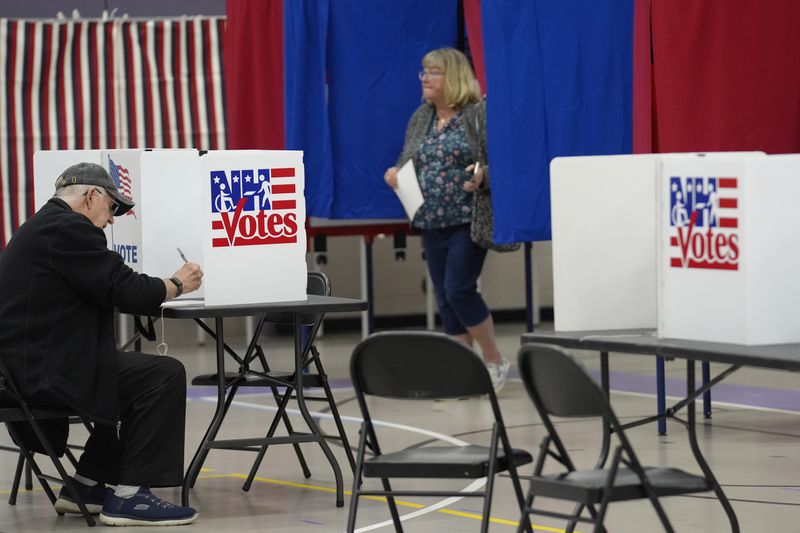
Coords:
pixel 152 408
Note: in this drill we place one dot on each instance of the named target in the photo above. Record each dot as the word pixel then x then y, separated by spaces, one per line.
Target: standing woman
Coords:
pixel 446 137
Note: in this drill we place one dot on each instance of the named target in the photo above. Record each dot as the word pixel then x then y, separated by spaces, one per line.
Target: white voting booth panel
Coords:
pixel 48 165
pixel 604 228
pixel 727 268
pixel 168 210
pixel 253 226
pixel 125 167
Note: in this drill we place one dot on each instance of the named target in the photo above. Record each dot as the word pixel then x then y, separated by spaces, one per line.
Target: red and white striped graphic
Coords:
pixel 283 189
pixel 104 85
pixel 728 202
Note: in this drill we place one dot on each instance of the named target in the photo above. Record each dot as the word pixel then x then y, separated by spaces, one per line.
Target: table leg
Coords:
pixel 698 455
pixel 312 425
pixel 706 369
pixel 216 421
pixel 605 382
pixel 370 284
pixel 528 249
pixel 661 395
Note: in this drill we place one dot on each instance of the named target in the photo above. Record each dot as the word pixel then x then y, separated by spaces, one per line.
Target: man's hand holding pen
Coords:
pixel 191 275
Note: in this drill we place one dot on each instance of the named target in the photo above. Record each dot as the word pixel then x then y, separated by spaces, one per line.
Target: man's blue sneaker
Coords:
pixel 93 497
pixel 144 509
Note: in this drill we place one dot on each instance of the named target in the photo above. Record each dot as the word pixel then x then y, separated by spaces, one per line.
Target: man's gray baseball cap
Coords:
pixel 94 174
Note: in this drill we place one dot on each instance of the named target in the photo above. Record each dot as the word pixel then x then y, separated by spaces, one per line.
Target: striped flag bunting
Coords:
pixel 91 84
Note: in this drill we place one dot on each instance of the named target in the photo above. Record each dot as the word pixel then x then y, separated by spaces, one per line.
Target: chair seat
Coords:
pixel 587 485
pixel 254 380
pixel 441 462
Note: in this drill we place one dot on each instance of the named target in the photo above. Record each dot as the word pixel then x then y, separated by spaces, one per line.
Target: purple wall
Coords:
pixel 94 8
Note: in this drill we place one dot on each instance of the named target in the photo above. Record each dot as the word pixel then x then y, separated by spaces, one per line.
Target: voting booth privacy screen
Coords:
pixel 166 216
pixel 693 245
pixel 253 227
pixel 604 227
pixel 727 271
pixel 239 214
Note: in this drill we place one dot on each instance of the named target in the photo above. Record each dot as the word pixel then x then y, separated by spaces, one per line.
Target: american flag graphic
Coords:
pixel 122 180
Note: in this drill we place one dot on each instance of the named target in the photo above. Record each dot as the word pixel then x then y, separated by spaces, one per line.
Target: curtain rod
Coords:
pixel 108 17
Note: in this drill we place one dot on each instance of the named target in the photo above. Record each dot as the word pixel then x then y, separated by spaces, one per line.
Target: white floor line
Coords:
pixel 472 487
pixel 613 391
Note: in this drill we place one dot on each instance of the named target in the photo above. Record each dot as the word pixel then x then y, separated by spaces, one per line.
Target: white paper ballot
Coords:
pixel 408 189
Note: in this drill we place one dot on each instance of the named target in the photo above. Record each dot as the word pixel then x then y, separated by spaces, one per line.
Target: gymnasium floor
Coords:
pixel 754 451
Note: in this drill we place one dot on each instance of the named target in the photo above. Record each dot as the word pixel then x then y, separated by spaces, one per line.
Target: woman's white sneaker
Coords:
pixel 498 372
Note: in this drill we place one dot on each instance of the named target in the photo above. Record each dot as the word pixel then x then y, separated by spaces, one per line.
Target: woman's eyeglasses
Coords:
pixel 423 74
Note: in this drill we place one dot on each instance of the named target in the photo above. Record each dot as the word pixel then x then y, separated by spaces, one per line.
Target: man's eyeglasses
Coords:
pixel 430 74
pixel 113 205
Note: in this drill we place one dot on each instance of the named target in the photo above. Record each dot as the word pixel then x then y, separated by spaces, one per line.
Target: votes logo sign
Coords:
pixel 253 207
pixel 704 223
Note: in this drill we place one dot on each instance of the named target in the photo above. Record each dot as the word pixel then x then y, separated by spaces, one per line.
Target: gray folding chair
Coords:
pixel 26 425
pixel 560 386
pixel 426 366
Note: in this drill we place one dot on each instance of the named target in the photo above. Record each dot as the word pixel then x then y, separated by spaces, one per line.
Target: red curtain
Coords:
pixel 472 18
pixel 254 74
pixel 642 79
pixel 725 75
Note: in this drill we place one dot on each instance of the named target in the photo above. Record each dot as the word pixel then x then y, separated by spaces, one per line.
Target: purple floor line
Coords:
pixel 786 399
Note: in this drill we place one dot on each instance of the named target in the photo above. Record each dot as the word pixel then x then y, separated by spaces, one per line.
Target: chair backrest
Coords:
pixel 558 384
pixel 417 365
pixel 14 411
pixel 317 284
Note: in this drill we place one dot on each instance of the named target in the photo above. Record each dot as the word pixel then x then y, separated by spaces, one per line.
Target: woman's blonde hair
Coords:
pixel 460 86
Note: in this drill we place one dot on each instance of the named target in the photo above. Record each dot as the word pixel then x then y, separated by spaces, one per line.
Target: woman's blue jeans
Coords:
pixel 455 264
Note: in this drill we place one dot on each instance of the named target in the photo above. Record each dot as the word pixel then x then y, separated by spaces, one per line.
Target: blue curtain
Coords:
pixel 306 108
pixel 559 82
pixel 374 53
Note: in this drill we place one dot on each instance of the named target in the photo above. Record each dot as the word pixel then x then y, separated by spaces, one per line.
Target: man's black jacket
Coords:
pixel 59 284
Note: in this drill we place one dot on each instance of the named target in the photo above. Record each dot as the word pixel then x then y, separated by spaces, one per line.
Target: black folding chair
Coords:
pixel 16 413
pixel 560 386
pixel 318 284
pixel 426 366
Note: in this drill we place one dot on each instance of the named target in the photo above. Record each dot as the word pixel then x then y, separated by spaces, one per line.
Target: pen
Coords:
pixel 183 256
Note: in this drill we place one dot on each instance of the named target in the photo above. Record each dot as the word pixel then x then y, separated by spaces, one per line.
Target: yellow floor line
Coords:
pixel 22 490
pixel 402 503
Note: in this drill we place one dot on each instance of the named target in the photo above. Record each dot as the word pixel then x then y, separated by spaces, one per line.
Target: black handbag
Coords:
pixel 482 226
